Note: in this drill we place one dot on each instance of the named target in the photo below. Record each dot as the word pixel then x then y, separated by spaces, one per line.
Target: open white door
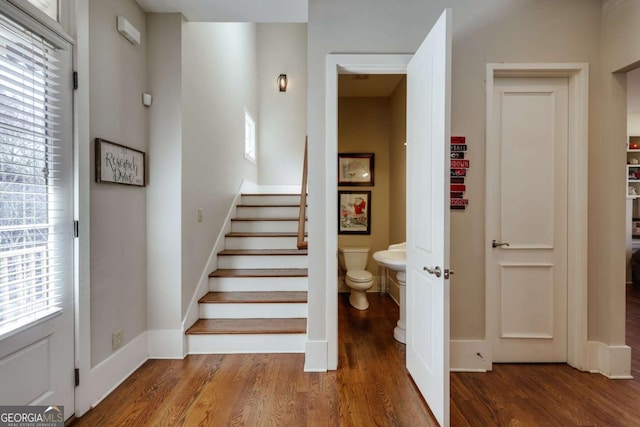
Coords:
pixel 428 148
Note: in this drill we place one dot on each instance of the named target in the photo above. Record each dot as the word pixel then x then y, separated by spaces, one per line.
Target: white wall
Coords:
pixel 524 31
pixel 118 212
pixel 219 80
pixel 633 123
pixel 633 91
pixel 232 10
pixel 282 49
pixel 364 127
pixel 164 192
pixel 397 164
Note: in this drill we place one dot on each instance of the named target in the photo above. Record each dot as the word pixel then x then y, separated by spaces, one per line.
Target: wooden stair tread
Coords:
pixel 248 326
pixel 261 234
pixel 261 272
pixel 255 297
pixel 273 205
pixel 260 252
pixel 264 219
pixel 270 194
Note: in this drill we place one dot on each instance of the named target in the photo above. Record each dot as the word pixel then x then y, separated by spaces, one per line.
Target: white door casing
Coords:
pixel 528 275
pixel 428 152
pixel 339 64
pixel 523 262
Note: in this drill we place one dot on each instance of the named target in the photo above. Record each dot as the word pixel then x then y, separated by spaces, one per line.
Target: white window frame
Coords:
pixel 51 10
pixel 250 145
pixel 51 306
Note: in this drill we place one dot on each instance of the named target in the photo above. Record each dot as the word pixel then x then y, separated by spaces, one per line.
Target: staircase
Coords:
pixel 257 300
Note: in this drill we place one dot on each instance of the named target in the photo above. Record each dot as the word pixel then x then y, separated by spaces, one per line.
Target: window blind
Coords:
pixel 33 214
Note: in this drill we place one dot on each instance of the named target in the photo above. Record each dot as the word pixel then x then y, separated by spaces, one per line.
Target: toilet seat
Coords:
pixel 359 276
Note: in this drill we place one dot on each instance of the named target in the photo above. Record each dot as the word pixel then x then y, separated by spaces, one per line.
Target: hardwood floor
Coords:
pixel 370 388
pixel 551 394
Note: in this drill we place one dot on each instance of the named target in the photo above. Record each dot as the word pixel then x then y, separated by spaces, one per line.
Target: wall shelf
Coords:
pixel 633 168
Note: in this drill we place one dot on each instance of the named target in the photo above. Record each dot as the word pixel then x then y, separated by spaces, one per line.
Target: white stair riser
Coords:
pixel 262 261
pixel 253 311
pixel 246 343
pixel 267 212
pixel 261 242
pixel 264 226
pixel 263 284
pixel 271 200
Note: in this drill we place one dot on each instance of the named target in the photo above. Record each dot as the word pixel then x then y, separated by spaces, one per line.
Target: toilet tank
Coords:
pixel 353 258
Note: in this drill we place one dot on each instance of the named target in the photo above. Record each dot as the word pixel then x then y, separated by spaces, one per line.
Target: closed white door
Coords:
pixel 527 220
pixel 36 223
pixel 428 146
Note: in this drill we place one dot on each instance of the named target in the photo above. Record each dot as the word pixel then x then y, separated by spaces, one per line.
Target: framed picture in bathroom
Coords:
pixel 354 212
pixel 355 169
pixel 635 228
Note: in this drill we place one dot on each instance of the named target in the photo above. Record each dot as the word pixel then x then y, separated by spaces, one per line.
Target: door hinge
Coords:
pixel 77 376
pixel 76 229
pixel 75 80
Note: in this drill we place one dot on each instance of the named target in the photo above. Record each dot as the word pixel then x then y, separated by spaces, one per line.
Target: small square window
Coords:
pixel 50 7
pixel 249 137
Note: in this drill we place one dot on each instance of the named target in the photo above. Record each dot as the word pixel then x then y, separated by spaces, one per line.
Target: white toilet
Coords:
pixel 353 260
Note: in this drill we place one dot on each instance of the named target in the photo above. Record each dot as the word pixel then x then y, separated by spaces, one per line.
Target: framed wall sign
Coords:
pixel 354 212
pixel 355 169
pixel 118 164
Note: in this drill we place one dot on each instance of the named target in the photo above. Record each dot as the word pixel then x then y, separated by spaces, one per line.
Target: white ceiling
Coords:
pixel 633 91
pixel 367 85
pixel 232 10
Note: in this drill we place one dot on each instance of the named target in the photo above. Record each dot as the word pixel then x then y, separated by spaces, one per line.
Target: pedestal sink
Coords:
pixel 395 258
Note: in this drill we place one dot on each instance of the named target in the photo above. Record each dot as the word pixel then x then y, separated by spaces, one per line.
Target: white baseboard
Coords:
pixel 315 359
pixel 469 356
pixel 111 372
pixel 614 362
pixel 167 344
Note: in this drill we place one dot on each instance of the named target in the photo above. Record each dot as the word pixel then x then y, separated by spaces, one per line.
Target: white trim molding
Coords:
pixel 469 356
pixel 341 64
pixel 577 230
pixel 315 359
pixel 167 344
pixel 79 21
pixel 612 361
pixel 112 371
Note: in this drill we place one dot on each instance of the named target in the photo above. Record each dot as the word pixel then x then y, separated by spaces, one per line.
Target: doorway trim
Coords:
pixel 343 64
pixel 577 196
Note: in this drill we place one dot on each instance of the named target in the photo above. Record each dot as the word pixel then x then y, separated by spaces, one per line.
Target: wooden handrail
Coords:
pixel 302 243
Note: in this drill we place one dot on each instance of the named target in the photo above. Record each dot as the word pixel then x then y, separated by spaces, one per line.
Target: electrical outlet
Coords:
pixel 200 214
pixel 116 339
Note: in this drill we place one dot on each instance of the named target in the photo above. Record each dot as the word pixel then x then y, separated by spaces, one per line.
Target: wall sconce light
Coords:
pixel 282 82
